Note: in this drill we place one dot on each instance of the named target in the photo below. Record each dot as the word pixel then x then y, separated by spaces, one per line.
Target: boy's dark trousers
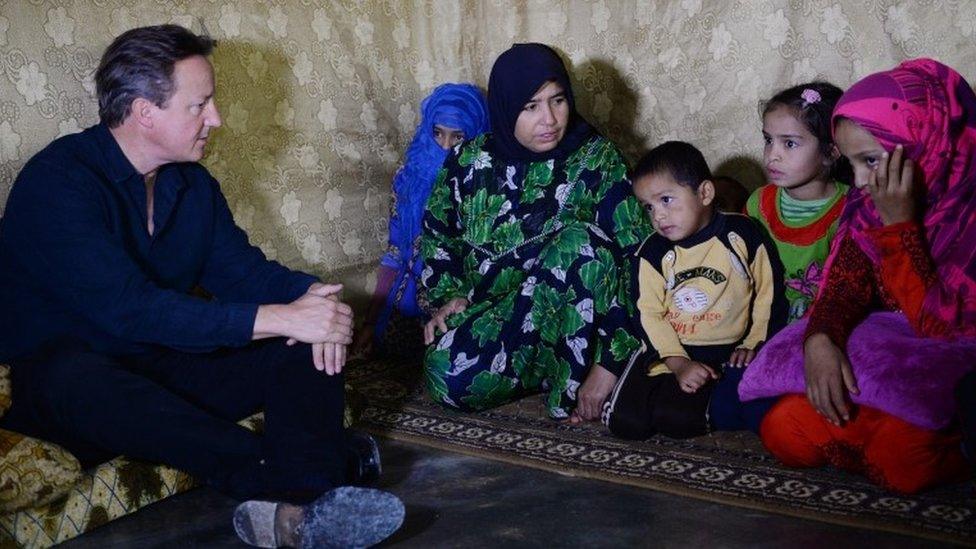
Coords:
pixel 180 409
pixel 641 405
pixel 966 401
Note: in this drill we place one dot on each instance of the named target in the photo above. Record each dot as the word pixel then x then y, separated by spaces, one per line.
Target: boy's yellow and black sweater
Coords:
pixel 720 288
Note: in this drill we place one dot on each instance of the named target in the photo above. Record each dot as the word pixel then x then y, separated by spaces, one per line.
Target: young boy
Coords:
pixel 709 291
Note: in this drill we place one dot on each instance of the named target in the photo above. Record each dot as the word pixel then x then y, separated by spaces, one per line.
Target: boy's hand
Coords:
pixel 741 357
pixel 691 375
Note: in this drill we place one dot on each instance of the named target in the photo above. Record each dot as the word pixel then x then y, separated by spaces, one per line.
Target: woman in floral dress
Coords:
pixel 525 239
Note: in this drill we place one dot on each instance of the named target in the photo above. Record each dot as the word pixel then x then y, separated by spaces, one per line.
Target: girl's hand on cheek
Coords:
pixel 891 187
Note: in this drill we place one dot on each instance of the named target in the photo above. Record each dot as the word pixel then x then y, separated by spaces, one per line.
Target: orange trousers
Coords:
pixel 889 451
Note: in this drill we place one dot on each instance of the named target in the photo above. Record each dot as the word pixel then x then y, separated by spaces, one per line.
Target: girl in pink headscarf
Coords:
pixel 879 386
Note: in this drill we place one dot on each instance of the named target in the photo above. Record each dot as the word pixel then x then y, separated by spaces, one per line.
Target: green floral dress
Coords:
pixel 540 250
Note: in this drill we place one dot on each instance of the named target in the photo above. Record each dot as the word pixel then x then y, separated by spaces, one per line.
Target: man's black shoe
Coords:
pixel 364 459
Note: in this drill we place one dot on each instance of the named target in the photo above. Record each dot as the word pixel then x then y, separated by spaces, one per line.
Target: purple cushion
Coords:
pixel 907 376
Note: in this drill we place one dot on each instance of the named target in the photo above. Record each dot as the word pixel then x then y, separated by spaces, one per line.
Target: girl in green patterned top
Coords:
pixel 800 205
pixel 524 238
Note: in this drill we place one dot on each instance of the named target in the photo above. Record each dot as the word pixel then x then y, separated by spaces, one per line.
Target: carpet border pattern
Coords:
pixel 695 468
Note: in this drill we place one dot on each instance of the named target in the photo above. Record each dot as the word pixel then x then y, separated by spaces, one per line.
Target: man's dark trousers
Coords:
pixel 180 409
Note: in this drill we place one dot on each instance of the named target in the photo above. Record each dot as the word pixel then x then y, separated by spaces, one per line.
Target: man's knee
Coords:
pixel 295 364
pixel 282 355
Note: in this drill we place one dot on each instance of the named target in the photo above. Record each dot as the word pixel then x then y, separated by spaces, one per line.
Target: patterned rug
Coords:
pixel 730 468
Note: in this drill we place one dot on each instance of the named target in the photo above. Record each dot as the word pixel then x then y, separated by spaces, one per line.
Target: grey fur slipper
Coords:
pixel 344 517
pixel 254 522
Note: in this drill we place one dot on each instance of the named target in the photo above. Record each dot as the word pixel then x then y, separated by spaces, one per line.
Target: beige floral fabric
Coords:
pixel 319 97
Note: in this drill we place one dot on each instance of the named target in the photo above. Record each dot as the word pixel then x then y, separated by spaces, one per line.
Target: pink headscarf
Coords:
pixel 930 110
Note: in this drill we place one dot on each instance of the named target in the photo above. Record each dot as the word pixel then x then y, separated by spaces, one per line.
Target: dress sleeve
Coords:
pixel 846 295
pixel 442 244
pixel 909 275
pixel 619 213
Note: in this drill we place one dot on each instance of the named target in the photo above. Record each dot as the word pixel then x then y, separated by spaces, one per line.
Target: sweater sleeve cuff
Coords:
pixel 299 285
pixel 239 326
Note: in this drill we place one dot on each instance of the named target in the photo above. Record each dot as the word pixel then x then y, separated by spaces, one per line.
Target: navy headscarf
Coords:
pixel 517 75
pixel 456 106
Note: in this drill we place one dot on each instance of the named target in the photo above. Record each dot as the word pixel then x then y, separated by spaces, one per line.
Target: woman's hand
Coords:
pixel 439 321
pixel 892 187
pixel 592 394
pixel 691 375
pixel 828 378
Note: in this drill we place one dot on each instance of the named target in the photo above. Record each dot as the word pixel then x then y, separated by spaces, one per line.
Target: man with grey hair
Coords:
pixel 107 238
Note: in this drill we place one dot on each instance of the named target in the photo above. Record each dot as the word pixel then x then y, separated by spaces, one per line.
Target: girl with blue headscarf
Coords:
pixel 451 114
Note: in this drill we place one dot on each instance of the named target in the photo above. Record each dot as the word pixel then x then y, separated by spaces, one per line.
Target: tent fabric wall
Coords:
pixel 319 98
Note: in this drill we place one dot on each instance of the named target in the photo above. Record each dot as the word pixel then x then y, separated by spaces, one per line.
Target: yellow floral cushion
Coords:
pixel 33 472
pixel 4 389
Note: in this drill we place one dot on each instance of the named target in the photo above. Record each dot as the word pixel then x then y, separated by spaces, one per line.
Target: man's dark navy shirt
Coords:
pixel 78 266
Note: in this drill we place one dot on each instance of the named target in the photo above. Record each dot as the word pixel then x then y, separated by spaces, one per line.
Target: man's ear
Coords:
pixel 142 111
pixel 706 192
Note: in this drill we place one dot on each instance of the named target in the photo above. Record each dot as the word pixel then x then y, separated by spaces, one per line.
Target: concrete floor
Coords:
pixel 454 500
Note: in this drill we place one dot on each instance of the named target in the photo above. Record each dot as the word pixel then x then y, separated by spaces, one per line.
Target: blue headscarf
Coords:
pixel 457 106
pixel 516 76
